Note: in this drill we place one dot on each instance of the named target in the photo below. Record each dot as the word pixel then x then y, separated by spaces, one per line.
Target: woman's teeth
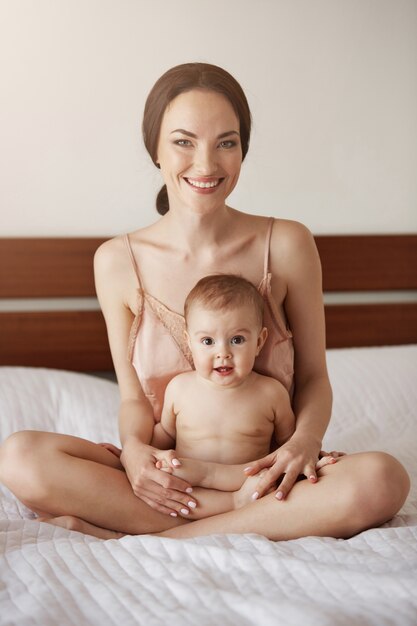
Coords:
pixel 202 185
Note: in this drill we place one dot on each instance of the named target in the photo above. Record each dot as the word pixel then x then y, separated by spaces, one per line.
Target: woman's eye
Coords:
pixel 227 144
pixel 207 341
pixel 183 142
pixel 239 339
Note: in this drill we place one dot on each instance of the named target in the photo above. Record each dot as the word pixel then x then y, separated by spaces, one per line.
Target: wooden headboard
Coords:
pixel 70 334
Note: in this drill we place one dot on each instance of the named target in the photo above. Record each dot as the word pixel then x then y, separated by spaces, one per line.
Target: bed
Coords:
pixel 52 339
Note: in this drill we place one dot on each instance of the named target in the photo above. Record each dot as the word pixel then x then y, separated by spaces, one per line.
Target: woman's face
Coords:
pixel 199 150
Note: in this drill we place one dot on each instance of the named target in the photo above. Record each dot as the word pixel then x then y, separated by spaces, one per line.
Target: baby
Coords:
pixel 222 415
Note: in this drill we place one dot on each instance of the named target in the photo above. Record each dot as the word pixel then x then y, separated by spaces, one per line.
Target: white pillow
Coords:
pixel 375 397
pixel 58 401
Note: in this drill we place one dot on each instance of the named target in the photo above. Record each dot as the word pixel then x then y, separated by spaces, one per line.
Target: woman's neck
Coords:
pixel 192 231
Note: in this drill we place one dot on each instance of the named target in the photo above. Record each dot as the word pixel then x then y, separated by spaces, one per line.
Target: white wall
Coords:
pixel 332 85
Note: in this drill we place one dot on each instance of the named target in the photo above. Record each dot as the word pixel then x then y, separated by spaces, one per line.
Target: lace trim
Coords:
pixel 174 324
pixel 135 326
pixel 266 292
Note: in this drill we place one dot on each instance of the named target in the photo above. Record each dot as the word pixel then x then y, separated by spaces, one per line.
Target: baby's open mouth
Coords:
pixel 223 370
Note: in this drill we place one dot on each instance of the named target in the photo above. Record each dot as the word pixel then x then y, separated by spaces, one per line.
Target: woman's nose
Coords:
pixel 205 161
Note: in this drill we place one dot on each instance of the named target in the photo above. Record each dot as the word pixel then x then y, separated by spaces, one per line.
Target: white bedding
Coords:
pixel 50 576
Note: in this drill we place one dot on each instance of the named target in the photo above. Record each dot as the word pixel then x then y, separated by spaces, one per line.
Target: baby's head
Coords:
pixel 224 292
pixel 224 326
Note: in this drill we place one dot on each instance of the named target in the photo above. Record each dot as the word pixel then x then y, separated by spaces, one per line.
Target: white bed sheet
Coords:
pixel 51 576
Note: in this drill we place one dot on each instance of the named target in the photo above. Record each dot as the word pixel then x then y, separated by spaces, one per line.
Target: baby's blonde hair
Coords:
pixel 224 292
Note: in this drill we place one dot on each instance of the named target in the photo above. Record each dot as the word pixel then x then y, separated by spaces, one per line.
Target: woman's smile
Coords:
pixel 204 185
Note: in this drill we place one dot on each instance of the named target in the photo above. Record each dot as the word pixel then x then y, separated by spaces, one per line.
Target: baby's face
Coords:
pixel 224 344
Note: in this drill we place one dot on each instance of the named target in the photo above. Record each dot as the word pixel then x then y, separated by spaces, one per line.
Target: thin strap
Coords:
pixel 267 246
pixel 133 260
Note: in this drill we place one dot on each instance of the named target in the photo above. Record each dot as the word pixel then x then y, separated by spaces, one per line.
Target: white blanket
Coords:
pixel 50 576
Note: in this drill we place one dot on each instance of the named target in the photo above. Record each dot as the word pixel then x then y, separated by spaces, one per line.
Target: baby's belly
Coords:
pixel 223 450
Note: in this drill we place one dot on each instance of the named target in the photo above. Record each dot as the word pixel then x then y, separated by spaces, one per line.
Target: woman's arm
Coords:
pixel 304 308
pixel 297 283
pixel 284 421
pixel 117 292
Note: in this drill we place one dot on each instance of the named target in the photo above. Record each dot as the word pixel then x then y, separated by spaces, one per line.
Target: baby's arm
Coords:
pixel 205 473
pixel 164 432
pixel 161 439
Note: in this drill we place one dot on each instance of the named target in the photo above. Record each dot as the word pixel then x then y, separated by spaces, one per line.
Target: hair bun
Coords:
pixel 162 202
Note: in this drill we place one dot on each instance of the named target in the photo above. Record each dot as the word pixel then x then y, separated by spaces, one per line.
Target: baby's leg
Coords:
pixel 244 495
pixel 218 488
pixel 205 473
pixel 213 502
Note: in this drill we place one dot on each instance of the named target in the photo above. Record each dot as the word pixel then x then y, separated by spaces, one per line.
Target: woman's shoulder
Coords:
pixel 115 274
pixel 115 251
pixel 111 254
pixel 291 243
pixel 290 232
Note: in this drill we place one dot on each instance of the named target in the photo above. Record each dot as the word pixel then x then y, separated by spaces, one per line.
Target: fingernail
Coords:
pixel 189 490
pixel 255 495
pixel 313 478
pixel 279 495
pixel 184 511
pixel 192 505
pixel 175 462
pixel 247 469
pixel 173 514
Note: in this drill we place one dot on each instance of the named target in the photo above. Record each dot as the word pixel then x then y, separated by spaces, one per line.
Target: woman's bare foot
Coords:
pixel 70 522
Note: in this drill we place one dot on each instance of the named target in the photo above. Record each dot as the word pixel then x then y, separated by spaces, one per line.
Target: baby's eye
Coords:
pixel 207 341
pixel 237 340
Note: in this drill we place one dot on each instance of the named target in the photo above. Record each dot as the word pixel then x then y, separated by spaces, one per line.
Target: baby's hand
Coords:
pixel 165 460
pixel 328 458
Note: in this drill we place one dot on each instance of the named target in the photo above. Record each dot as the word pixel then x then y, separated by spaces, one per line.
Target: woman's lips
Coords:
pixel 201 185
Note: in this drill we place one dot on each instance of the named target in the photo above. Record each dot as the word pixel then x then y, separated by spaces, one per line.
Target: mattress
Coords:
pixel 52 576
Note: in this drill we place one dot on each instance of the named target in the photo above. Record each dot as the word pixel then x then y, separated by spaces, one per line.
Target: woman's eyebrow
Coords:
pixel 194 136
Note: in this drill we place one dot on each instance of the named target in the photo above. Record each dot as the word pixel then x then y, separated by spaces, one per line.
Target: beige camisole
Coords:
pixel 159 351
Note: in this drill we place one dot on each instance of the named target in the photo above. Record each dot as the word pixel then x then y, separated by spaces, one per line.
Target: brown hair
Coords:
pixel 180 79
pixel 225 292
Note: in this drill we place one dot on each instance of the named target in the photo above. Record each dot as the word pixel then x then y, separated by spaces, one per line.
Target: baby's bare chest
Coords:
pixel 225 417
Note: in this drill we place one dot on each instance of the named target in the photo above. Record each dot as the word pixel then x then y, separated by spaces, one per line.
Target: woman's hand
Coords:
pixel 296 457
pixel 159 490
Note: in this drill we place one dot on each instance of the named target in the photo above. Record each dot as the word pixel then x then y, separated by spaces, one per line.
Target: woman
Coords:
pixel 196 128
